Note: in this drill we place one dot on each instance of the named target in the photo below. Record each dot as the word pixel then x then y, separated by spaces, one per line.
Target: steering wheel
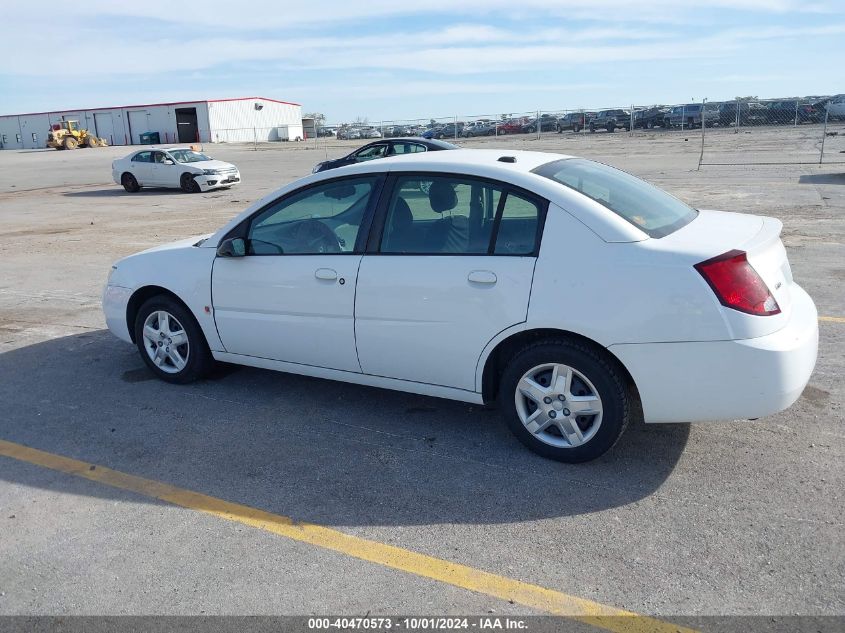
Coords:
pixel 312 236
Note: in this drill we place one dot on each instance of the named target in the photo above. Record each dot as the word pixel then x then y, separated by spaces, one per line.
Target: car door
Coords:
pixel 140 167
pixel 449 268
pixel 164 172
pixel 291 296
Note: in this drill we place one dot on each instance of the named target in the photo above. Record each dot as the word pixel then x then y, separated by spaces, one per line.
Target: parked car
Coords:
pixel 450 130
pixel 415 273
pixel 175 167
pixel 383 149
pixel 835 107
pixel 687 116
pixel 348 134
pixel 370 132
pixel 548 123
pixel 326 131
pixel 479 128
pixel 396 131
pixel 511 126
pixel 610 120
pixel 690 116
pixel 792 111
pixel 649 118
pixel 575 121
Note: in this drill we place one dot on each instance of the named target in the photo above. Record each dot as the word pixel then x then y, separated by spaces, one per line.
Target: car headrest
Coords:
pixel 402 216
pixel 442 197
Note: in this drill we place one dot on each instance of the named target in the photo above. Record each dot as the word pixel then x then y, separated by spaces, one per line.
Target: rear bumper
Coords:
pixel 725 380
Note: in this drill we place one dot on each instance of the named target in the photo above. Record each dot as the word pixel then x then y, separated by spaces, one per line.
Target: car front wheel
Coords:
pixel 565 400
pixel 171 342
pixel 188 184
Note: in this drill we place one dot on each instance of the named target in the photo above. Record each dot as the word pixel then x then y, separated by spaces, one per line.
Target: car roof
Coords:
pixel 160 148
pixel 484 163
pixel 524 161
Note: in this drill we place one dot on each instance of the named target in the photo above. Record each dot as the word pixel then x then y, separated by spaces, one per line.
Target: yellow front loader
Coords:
pixel 67 135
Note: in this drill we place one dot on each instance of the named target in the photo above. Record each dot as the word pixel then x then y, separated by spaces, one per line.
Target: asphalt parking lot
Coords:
pixel 739 518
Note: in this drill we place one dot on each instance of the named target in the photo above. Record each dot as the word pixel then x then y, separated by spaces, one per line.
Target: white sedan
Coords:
pixel 176 167
pixel 569 291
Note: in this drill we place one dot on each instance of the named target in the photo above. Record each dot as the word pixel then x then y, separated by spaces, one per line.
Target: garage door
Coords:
pixel 104 126
pixel 137 125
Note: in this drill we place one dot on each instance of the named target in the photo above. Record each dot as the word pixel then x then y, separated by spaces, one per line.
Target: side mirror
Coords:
pixel 232 247
pixel 167 161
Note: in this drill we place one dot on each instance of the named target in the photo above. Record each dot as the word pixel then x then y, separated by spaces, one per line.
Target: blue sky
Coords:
pixel 388 60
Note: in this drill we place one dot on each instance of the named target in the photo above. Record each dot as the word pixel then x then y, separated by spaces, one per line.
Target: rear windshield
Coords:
pixel 650 209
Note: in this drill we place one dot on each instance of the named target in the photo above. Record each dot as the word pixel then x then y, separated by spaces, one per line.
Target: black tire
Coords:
pixel 70 143
pixel 199 360
pixel 592 129
pixel 188 184
pixel 129 183
pixel 650 125
pixel 600 369
pixel 576 128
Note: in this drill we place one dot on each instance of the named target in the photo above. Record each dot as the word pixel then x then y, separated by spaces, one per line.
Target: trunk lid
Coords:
pixel 713 233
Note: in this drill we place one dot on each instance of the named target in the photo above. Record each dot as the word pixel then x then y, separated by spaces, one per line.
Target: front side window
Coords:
pixel 369 153
pixel 650 209
pixel 158 157
pixel 325 218
pixel 142 157
pixel 187 156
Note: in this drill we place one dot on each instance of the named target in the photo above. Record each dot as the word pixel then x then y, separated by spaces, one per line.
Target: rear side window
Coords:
pixel 407 148
pixel 650 209
pixel 440 215
pixel 460 215
pixel 517 230
pixel 142 157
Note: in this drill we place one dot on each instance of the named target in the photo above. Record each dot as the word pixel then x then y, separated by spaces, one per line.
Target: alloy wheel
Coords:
pixel 166 342
pixel 558 405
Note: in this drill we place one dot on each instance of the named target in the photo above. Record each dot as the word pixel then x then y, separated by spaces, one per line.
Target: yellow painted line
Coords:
pixel 534 596
pixel 832 319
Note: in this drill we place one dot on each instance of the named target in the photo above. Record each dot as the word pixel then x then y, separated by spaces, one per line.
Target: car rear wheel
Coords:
pixel 171 342
pixel 129 183
pixel 565 400
pixel 70 142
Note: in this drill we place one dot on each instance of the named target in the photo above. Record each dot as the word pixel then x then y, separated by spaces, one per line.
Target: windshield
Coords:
pixel 650 209
pixel 187 156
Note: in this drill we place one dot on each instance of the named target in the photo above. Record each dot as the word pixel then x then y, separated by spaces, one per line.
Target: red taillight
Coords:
pixel 737 284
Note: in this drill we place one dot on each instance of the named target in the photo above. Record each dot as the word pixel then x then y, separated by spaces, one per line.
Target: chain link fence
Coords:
pixel 744 131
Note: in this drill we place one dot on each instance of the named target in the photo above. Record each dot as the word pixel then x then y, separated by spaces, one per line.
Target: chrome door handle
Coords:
pixel 482 277
pixel 326 273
